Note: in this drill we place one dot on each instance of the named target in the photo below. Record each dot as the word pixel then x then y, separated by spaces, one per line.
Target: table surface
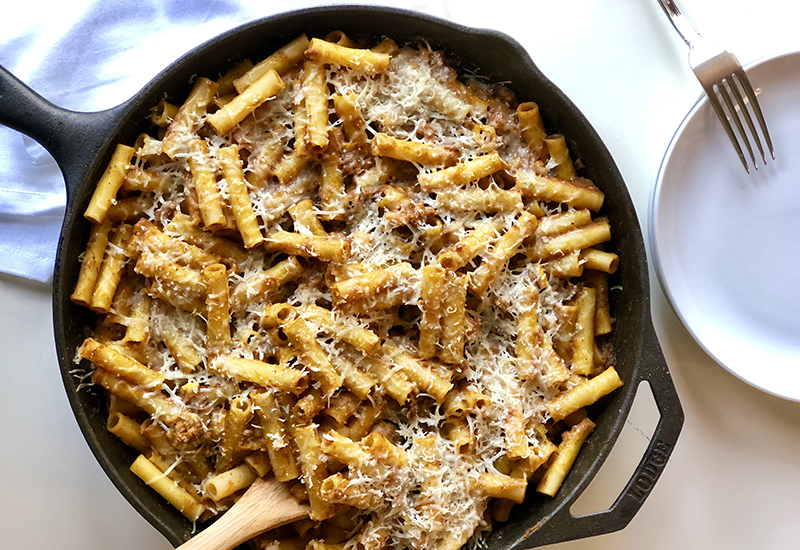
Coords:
pixel 734 476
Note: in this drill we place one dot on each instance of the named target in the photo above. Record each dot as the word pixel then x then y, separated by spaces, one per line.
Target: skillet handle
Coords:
pixel 73 138
pixel 563 525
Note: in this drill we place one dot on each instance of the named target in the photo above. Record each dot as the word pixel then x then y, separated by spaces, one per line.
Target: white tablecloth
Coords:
pixel 88 55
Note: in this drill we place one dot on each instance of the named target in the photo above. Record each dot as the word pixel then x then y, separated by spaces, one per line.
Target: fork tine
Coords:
pixel 741 77
pixel 746 114
pixel 722 89
pixel 713 98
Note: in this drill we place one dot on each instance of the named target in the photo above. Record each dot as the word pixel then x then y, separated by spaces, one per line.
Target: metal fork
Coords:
pixel 721 76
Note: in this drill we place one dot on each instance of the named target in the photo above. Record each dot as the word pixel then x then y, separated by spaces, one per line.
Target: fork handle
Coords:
pixel 681 24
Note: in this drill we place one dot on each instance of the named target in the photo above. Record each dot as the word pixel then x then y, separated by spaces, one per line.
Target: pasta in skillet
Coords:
pixel 350 270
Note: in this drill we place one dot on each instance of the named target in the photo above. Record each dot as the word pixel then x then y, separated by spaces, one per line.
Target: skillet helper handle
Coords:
pixel 563 525
pixel 73 138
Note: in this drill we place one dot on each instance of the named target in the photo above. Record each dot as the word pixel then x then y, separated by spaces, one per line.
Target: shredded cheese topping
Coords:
pixel 429 501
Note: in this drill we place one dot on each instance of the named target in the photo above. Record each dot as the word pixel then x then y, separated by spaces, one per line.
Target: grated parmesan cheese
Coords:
pixel 427 502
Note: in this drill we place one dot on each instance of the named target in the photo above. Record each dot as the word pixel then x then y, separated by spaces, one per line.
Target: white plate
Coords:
pixel 727 244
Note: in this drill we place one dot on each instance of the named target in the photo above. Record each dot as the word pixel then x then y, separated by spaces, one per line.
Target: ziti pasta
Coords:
pixel 347 268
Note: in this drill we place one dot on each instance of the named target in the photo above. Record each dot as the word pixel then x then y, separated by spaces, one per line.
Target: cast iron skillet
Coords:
pixel 82 144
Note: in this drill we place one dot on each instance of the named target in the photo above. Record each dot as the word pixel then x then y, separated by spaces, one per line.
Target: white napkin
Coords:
pixel 89 55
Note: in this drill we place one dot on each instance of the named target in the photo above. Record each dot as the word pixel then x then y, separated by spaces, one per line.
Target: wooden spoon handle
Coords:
pixel 266 504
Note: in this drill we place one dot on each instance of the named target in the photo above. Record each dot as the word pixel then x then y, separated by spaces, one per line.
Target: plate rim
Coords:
pixel 653 241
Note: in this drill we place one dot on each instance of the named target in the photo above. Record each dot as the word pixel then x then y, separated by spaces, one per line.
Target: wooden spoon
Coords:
pixel 265 505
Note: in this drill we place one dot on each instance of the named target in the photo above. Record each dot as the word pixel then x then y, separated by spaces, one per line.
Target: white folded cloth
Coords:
pixel 89 55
